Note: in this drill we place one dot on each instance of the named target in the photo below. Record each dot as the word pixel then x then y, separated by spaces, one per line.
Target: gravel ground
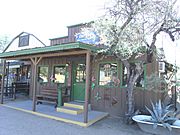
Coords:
pixel 21 123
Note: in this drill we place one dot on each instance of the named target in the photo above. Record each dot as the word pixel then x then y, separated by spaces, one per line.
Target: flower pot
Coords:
pixel 146 126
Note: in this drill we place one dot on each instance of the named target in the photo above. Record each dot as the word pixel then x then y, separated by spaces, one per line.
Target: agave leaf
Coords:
pixel 166 114
pixel 154 110
pixel 164 125
pixel 168 126
pixel 151 112
pixel 155 125
pixel 170 120
pixel 159 109
pixel 167 107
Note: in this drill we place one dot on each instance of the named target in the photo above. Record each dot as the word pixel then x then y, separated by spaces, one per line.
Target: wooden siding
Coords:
pixel 51 62
pixel 72 30
pixel 113 99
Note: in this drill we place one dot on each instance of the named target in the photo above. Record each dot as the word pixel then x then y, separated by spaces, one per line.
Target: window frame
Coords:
pixel 98 74
pixel 21 38
pixel 47 73
pixel 83 74
pixel 53 72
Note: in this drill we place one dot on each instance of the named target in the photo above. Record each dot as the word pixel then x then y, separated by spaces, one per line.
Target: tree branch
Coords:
pixel 155 35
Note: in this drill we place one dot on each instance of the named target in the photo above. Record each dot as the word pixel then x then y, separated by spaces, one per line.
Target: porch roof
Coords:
pixel 49 49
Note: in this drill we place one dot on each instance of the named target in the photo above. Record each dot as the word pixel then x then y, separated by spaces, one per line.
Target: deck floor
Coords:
pixel 49 111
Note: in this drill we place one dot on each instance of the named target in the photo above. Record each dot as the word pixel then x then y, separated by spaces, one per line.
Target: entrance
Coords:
pixel 79 76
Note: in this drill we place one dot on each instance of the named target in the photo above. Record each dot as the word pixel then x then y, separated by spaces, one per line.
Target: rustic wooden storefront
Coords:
pixel 69 55
pixel 96 81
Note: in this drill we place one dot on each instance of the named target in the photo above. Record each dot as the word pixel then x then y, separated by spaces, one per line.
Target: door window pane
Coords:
pixel 80 73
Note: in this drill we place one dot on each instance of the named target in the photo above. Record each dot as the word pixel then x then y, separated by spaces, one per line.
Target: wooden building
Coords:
pixel 70 70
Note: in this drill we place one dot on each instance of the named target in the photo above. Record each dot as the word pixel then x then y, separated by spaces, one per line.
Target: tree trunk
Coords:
pixel 130 100
pixel 135 72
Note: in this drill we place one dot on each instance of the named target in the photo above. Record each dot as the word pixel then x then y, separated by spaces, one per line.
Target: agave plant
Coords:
pixel 162 114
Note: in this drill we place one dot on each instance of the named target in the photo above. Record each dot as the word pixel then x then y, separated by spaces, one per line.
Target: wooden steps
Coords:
pixel 75 105
pixel 74 108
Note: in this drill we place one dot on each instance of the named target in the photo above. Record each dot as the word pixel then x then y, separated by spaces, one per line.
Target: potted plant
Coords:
pixel 162 120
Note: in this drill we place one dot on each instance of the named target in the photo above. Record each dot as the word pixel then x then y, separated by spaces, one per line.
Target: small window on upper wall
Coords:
pixel 43 74
pixel 24 40
pixel 59 74
pixel 139 82
pixel 108 74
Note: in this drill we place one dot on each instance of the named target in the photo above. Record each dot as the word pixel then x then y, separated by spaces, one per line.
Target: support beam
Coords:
pixel 7 79
pixel 2 80
pixel 49 55
pixel 35 62
pixel 88 59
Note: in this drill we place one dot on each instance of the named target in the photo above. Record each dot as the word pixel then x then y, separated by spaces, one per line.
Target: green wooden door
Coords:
pixel 79 82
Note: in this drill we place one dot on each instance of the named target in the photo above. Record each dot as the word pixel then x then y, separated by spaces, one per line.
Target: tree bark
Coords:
pixel 130 99
pixel 135 72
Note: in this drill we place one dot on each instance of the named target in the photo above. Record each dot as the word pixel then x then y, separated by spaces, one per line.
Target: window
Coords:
pixel 59 74
pixel 139 82
pixel 24 40
pixel 107 74
pixel 43 74
pixel 80 73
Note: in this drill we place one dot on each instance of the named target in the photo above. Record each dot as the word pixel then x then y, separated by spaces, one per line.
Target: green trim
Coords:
pixel 47 49
pixel 74 66
pixel 72 80
pixel 59 96
pixel 145 77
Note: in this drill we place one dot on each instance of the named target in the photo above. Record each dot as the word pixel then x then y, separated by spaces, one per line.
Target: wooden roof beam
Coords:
pixel 48 55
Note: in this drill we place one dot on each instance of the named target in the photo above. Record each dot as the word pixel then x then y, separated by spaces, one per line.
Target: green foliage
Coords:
pixel 156 83
pixel 3 42
pixel 162 114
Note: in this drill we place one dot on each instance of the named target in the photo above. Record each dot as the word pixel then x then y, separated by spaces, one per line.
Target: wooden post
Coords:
pixel 2 80
pixel 34 87
pixel 87 87
pixel 7 79
pixel 59 95
pixel 35 62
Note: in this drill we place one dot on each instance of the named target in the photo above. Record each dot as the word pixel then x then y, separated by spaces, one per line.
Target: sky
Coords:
pixel 48 19
pixel 45 18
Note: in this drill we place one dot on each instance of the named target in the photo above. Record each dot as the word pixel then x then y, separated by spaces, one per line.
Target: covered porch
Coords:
pixel 48 111
pixel 69 52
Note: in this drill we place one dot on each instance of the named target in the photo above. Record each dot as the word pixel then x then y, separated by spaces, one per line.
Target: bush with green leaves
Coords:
pixel 161 114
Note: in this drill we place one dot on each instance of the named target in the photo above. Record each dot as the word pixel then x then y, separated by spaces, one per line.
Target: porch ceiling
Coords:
pixel 56 50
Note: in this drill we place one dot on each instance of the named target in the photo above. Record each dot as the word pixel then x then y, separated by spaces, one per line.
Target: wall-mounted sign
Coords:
pixel 90 38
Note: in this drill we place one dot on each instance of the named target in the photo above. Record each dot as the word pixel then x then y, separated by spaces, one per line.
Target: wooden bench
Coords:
pixel 47 95
pixel 20 87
